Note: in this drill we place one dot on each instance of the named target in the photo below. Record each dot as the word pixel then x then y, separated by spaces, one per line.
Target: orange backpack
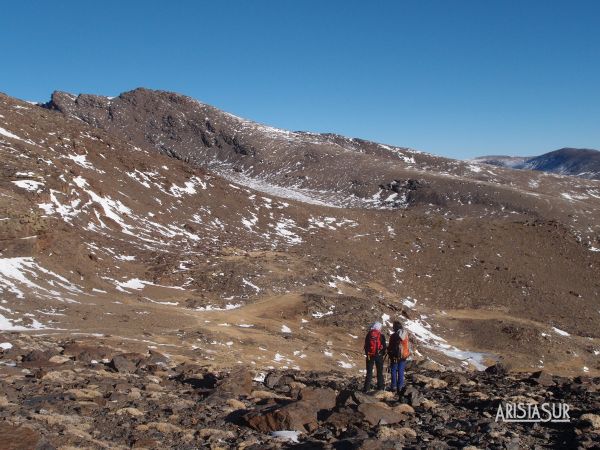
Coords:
pixel 399 348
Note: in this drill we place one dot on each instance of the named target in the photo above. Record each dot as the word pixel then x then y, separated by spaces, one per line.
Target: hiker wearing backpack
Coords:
pixel 375 348
pixel 398 352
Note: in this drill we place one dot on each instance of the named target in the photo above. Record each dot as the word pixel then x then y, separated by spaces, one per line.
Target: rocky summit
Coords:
pixel 174 276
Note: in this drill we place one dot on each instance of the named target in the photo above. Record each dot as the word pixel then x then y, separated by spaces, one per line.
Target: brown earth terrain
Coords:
pixel 153 222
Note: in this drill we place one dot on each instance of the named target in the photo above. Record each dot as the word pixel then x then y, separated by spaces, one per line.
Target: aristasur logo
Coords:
pixel 533 412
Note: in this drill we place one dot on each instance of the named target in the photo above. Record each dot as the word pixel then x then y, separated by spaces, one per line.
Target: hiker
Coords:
pixel 398 352
pixel 375 348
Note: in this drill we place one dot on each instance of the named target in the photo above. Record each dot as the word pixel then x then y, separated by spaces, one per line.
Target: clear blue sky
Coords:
pixel 456 78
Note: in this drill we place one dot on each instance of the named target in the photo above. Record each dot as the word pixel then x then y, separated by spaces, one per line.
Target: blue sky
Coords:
pixel 455 78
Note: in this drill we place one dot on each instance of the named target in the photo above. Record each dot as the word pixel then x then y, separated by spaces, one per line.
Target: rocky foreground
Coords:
pixel 71 393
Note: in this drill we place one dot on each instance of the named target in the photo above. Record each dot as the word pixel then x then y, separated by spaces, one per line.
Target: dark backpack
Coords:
pixel 398 348
pixel 394 346
pixel 373 344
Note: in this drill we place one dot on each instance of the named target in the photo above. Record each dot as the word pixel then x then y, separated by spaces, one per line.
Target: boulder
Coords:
pixel 134 412
pixel 38 356
pixel 388 433
pixel 262 395
pixel 87 353
pixel 413 396
pixel 14 437
pixel 271 380
pixel 85 394
pixel 59 359
pixel 299 416
pixel 591 421
pixel 126 362
pixel 360 398
pixel 340 420
pixel 239 382
pixel 542 378
pixel 216 434
pixel 236 404
pixel 430 383
pixel 381 413
pixel 60 376
pixel 455 379
pixel 344 398
pixel 384 396
pixel 319 398
pixel 155 359
pixel 497 369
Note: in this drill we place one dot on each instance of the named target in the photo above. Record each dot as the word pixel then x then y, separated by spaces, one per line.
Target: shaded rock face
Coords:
pixel 81 405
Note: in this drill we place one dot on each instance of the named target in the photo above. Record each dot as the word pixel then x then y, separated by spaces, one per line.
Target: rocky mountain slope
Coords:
pixel 579 162
pixel 211 243
pixel 72 393
pixel 151 245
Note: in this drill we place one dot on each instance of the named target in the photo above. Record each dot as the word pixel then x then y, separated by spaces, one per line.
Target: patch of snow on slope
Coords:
pixel 112 208
pixel 16 274
pixel 66 210
pixel 81 160
pixel 253 286
pixel 283 229
pixel 8 134
pixel 249 223
pixel 29 185
pixel 422 332
pixel 298 194
pixel 134 283
pixel 560 332
pixel 286 435
pixel 8 325
pixel 409 303
pixel 189 187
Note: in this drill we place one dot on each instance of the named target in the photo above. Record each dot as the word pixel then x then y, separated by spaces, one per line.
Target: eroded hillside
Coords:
pixel 239 242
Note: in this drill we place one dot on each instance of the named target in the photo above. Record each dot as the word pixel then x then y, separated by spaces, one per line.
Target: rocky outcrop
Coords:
pixel 75 403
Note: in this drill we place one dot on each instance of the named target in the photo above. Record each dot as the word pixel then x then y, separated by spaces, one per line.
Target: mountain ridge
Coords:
pixel 580 162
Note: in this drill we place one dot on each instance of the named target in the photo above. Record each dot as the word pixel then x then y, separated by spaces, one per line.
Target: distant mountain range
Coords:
pixel 579 162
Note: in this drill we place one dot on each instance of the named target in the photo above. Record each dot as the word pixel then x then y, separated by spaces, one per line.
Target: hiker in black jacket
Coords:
pixel 375 348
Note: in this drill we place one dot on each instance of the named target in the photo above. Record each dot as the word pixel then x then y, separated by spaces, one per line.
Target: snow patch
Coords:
pixel 29 185
pixel 8 325
pixel 560 332
pixel 286 435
